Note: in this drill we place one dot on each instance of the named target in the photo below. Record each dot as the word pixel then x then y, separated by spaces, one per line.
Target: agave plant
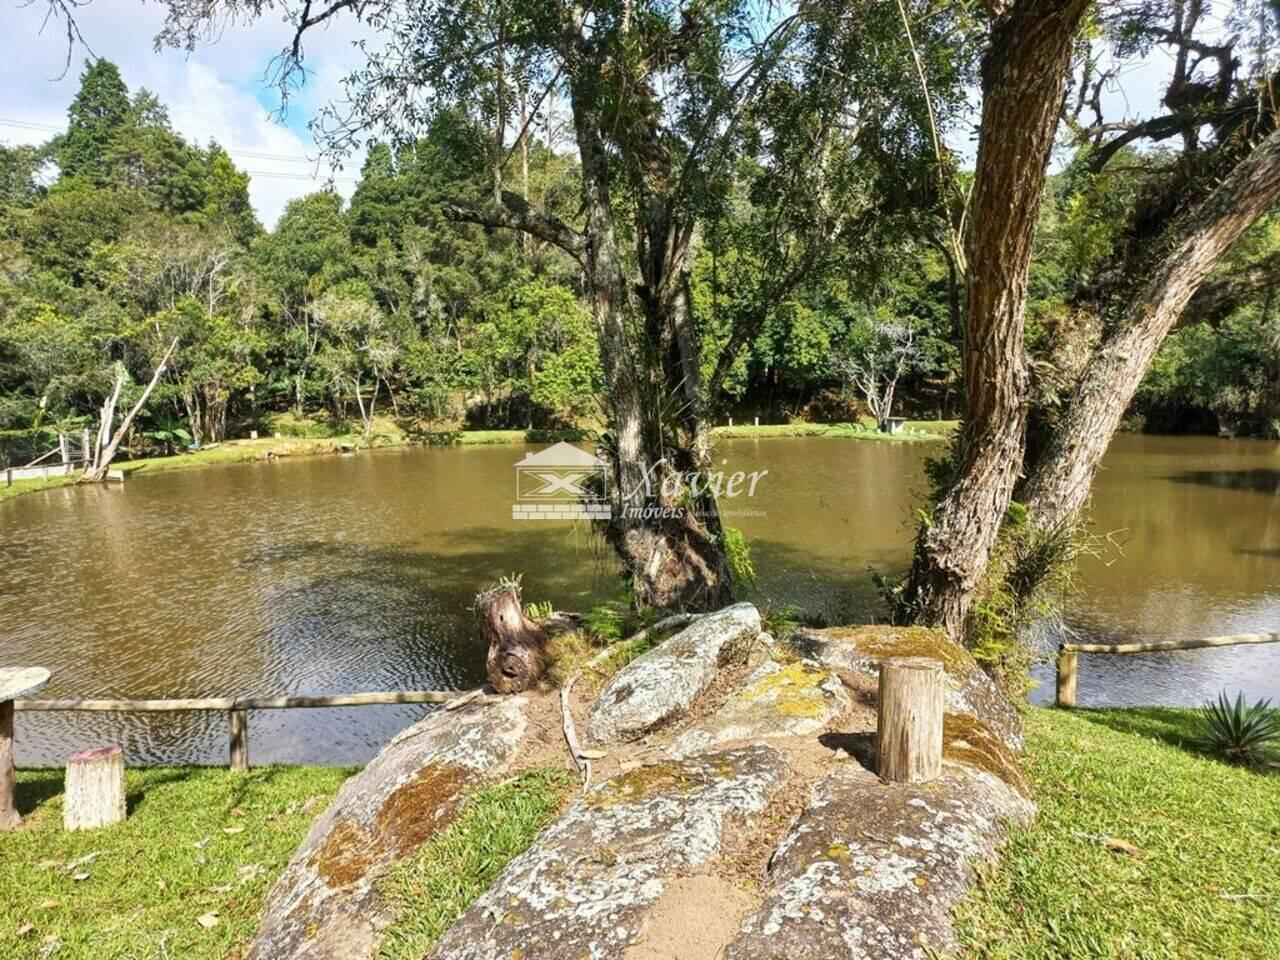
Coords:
pixel 1237 732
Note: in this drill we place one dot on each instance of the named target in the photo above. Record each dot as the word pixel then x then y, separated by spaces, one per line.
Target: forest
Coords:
pixel 119 238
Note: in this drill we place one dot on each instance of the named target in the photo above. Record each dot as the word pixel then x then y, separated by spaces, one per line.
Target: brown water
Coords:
pixel 339 574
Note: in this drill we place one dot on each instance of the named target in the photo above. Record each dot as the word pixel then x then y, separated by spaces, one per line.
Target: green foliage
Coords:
pixel 738 551
pixel 427 892
pixel 1238 733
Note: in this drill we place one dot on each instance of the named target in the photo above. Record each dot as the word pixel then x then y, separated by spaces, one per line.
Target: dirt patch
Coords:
pixel 695 919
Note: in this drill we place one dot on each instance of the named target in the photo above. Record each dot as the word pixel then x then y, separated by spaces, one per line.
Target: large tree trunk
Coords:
pixel 1059 483
pixel 1023 76
pixel 669 543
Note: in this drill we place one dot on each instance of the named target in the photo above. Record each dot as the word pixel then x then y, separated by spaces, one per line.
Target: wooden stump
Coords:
pixel 94 795
pixel 9 817
pixel 516 659
pixel 909 731
pixel 238 735
pixel 1068 660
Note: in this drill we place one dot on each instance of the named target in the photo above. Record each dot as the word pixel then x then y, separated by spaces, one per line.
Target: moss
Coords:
pixel 967 740
pixel 410 816
pixel 884 642
pixel 414 811
pixel 793 691
pixel 346 854
pixel 655 780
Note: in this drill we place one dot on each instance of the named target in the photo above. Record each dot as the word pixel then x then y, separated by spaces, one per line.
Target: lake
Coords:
pixel 347 573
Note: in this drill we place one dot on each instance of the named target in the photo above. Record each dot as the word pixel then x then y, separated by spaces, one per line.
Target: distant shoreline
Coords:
pixel 274 448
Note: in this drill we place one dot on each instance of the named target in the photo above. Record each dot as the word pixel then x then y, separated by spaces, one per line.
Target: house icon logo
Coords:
pixel 561 482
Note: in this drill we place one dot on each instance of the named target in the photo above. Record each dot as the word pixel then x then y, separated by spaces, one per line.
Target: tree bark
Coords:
pixel 1024 75
pixel 1059 483
pixel 517 645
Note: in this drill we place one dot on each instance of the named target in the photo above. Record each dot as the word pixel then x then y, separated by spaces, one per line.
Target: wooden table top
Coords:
pixel 17 682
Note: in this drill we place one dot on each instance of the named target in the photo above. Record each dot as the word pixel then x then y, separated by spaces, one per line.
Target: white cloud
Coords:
pixel 218 92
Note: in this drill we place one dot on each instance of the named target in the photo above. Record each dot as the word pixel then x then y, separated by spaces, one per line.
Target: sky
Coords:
pixel 220 90
pixel 217 92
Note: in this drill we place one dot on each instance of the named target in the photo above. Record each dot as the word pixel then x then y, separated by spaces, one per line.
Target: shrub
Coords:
pixel 1238 733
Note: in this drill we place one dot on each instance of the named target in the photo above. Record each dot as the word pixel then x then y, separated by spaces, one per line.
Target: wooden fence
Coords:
pixel 237 709
pixel 1069 654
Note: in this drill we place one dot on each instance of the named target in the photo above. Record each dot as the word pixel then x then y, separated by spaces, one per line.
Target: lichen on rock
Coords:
pixel 873 870
pixel 587 885
pixel 325 905
pixel 969 690
pixel 664 682
pixel 777 700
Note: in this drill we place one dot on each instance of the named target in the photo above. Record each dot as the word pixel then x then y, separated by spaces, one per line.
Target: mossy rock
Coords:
pixel 860 649
pixel 777 700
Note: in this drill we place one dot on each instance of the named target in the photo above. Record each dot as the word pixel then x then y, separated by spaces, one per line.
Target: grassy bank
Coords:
pixel 268 448
pixel 1144 848
pixel 185 876
pixel 862 430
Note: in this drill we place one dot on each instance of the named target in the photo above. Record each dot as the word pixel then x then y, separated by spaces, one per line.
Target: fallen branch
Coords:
pixel 571 733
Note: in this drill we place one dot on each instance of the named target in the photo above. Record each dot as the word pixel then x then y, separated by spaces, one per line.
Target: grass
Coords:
pixel 426 893
pixel 199 842
pixel 913 430
pixel 1144 848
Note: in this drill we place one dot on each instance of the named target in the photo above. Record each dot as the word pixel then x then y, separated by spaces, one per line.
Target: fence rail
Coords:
pixel 237 708
pixel 1068 655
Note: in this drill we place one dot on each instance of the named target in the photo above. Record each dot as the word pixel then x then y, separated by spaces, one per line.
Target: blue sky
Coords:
pixel 216 92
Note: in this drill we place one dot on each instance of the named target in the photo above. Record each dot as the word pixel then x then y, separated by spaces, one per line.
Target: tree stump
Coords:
pixel 909 731
pixel 94 795
pixel 516 659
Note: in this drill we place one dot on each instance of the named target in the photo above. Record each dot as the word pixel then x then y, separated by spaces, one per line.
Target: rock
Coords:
pixel 873 870
pixel 859 650
pixel 664 682
pixel 325 905
pixel 586 886
pixel 776 701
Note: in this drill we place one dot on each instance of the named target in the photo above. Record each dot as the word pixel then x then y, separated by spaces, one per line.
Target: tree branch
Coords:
pixel 516 213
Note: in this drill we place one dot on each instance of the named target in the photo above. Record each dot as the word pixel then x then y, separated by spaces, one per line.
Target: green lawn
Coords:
pixel 199 843
pixel 862 430
pixel 1203 879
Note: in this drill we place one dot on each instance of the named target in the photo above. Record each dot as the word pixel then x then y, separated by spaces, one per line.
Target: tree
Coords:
pixel 100 108
pixel 663 102
pixel 1024 74
pixel 875 357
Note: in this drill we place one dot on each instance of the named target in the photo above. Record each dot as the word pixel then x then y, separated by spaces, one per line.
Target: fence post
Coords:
pixel 84 445
pixel 909 725
pixel 1067 661
pixel 239 734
